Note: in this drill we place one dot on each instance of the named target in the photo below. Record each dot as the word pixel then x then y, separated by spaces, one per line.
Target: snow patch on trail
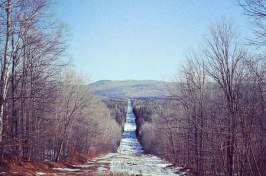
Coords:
pixel 129 143
pixel 143 164
pixel 134 164
pixel 66 169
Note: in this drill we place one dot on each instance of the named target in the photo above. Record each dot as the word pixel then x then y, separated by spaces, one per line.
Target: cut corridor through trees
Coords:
pixel 130 158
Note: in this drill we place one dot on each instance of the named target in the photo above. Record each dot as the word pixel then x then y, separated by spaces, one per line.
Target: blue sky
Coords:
pixel 139 39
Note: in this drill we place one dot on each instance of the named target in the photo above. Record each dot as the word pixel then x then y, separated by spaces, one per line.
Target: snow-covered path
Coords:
pixel 130 158
pixel 129 143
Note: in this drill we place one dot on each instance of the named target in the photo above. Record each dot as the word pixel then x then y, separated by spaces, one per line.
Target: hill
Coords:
pixel 146 89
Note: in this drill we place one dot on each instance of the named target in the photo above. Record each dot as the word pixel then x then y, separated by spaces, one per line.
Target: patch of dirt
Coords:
pixel 12 166
pixel 24 167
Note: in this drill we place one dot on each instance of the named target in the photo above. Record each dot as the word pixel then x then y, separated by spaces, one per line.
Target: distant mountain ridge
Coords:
pixel 138 89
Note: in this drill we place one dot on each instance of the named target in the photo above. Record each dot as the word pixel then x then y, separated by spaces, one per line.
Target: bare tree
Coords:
pixel 224 66
pixel 256 10
pixel 73 99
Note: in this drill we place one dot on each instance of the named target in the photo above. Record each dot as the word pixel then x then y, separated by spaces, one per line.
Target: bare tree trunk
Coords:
pixel 4 70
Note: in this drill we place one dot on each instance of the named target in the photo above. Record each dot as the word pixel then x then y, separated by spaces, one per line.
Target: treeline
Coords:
pixel 46 109
pixel 118 110
pixel 155 136
pixel 215 120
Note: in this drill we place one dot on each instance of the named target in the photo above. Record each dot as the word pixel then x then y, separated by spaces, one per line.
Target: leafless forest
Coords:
pixel 213 120
pixel 47 110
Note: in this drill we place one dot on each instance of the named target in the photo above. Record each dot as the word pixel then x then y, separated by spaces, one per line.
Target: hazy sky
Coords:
pixel 139 39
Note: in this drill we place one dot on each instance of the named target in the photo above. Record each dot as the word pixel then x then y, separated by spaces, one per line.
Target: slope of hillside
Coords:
pixel 130 89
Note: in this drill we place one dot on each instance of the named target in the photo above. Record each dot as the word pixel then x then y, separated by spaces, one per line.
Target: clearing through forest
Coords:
pixel 129 159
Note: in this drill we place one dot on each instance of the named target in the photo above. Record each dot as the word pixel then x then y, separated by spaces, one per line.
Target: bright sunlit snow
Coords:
pixel 129 143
